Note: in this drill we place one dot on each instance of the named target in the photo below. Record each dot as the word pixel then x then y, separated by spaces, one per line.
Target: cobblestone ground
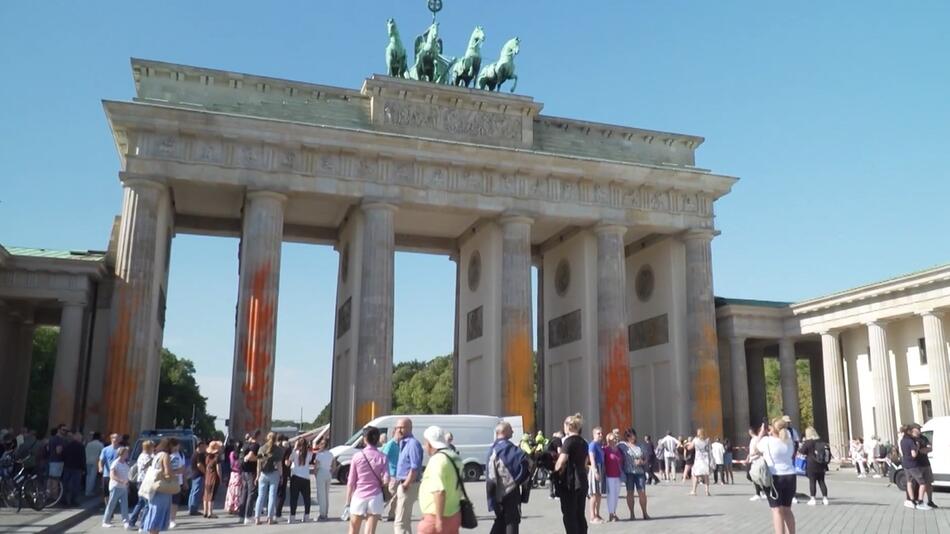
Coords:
pixel 856 506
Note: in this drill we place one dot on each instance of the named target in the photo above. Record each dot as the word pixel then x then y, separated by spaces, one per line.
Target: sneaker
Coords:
pixel 127 526
pixel 754 498
pixel 924 506
pixel 107 525
pixel 794 500
pixel 247 520
pixel 862 476
pixel 932 504
pixel 290 520
pixel 824 501
pixel 306 518
pixel 172 525
pixel 910 504
pixel 812 502
pixel 877 476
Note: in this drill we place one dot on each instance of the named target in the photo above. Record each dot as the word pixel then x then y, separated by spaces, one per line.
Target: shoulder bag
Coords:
pixel 387 494
pixel 469 520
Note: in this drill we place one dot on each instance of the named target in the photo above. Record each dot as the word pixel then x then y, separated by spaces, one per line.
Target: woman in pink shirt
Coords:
pixel 369 471
pixel 613 465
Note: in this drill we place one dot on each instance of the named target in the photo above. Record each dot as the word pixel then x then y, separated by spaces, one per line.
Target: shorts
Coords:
pixel 636 481
pixel 921 475
pixel 366 507
pixel 594 487
pixel 783 487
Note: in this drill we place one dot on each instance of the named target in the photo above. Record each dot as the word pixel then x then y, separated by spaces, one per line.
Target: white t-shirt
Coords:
pixel 778 454
pixel 144 461
pixel 669 445
pixel 119 470
pixel 718 453
pixel 300 468
pixel 325 459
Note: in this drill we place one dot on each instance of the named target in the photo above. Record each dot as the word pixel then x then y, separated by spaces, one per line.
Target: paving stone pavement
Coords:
pixel 856 506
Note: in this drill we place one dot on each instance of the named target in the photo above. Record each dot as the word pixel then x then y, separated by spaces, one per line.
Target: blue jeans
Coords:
pixel 140 507
pixel 120 495
pixel 268 483
pixel 196 495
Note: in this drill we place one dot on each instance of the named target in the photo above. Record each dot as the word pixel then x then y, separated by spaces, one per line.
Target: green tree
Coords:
pixel 41 377
pixel 179 396
pixel 323 417
pixel 773 391
pixel 423 387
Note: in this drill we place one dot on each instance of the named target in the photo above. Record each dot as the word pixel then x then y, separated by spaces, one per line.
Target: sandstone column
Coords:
pixel 937 364
pixel 62 406
pixel 616 403
pixel 789 380
pixel 23 353
pixel 885 419
pixel 756 371
pixel 255 339
pixel 835 395
pixel 134 307
pixel 704 395
pixel 374 356
pixel 517 376
pixel 740 390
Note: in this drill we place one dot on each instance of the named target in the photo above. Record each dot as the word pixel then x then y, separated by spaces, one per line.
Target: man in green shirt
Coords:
pixel 439 492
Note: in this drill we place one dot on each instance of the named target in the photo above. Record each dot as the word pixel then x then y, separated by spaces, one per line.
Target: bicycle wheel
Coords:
pixel 54 491
pixel 34 493
pixel 8 493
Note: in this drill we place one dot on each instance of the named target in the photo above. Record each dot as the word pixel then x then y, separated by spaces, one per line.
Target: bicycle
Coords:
pixel 19 485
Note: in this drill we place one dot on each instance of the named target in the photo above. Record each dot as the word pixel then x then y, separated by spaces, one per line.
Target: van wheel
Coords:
pixel 472 472
pixel 343 474
pixel 900 480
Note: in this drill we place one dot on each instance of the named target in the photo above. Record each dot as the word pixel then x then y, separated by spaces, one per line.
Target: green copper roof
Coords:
pixel 722 301
pixel 81 255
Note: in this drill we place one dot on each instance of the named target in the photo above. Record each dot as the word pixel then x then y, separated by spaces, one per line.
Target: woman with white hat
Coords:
pixel 440 493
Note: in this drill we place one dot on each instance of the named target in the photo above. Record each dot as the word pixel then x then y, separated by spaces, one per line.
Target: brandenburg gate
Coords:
pixel 618 221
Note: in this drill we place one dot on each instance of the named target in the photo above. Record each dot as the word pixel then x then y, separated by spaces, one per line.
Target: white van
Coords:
pixel 473 436
pixel 937 430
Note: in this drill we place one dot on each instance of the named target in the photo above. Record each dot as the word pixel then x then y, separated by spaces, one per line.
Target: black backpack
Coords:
pixel 822 453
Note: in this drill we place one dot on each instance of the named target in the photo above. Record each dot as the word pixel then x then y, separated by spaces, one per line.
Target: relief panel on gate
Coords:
pixel 343 317
pixel 564 329
pixel 649 332
pixel 473 324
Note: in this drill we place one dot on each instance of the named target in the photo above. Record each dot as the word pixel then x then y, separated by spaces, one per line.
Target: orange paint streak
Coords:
pixel 257 385
pixel 121 372
pixel 615 393
pixel 366 412
pixel 707 397
pixel 519 375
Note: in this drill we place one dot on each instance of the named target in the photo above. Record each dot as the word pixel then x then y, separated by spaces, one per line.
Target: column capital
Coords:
pixel 609 227
pixel 830 332
pixel 139 184
pixel 375 205
pixel 879 323
pixel 933 312
pixel 263 193
pixel 515 218
pixel 73 302
pixel 738 339
pixel 699 234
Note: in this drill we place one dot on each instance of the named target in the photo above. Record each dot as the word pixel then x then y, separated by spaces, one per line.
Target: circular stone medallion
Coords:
pixel 474 271
pixel 562 277
pixel 644 283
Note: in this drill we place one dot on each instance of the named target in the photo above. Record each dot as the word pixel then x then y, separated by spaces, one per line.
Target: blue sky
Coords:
pixel 834 115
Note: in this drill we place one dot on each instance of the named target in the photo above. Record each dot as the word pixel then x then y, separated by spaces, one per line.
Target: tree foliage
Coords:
pixel 773 388
pixel 323 418
pixel 179 397
pixel 41 378
pixel 423 387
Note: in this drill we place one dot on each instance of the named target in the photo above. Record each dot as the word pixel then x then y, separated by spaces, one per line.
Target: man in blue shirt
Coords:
pixel 106 457
pixel 596 482
pixel 408 473
pixel 391 450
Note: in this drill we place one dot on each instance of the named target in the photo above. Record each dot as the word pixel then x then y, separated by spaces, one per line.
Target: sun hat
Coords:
pixel 214 447
pixel 436 437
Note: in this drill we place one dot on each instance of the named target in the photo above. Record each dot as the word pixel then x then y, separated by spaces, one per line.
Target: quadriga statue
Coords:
pixel 395 52
pixel 495 74
pixel 465 70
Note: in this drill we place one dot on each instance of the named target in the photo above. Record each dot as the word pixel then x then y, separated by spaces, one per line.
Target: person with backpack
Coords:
pixel 269 458
pixel 778 454
pixel 817 455
pixel 507 471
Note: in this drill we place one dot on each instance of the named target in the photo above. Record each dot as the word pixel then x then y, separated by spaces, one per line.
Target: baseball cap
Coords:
pixel 436 437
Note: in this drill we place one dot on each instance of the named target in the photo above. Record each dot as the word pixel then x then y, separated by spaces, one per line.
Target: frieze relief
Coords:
pixel 418 173
pixel 466 123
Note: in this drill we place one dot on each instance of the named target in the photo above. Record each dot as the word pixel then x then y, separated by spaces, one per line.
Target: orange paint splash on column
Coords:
pixel 519 375
pixel 121 373
pixel 615 394
pixel 707 398
pixel 366 412
pixel 256 387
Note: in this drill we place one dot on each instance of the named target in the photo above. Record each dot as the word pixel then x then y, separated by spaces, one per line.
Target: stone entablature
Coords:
pixel 31 277
pixel 362 163
pixel 412 108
